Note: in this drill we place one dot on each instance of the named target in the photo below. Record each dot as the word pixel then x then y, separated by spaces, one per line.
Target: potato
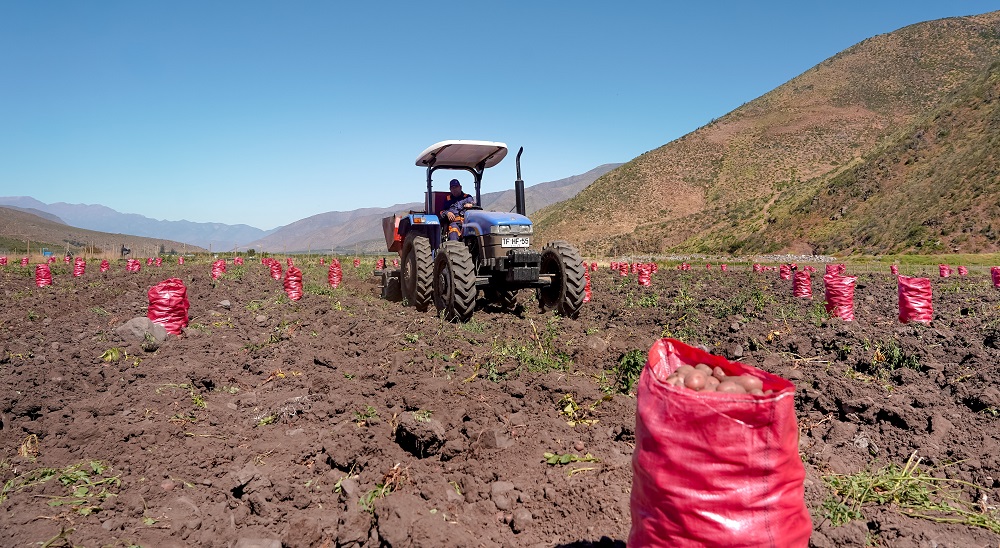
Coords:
pixel 719 373
pixel 704 368
pixel 683 370
pixel 748 382
pixel 695 380
pixel 712 382
pixel 730 387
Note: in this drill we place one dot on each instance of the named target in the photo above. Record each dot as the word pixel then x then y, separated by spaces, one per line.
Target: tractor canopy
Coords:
pixel 463 154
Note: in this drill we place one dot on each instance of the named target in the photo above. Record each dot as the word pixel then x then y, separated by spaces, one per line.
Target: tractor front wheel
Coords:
pixel 563 263
pixel 454 282
pixel 417 271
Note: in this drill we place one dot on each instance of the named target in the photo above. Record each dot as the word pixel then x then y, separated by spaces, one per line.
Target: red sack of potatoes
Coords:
pixel 758 267
pixel 840 296
pixel 218 269
pixel 894 269
pixel 335 274
pixel 322 261
pixel 944 270
pixel 995 274
pixel 168 305
pixel 586 287
pixel 24 261
pixel 962 271
pixel 915 299
pixel 3 261
pixel 711 468
pixel 180 260
pixel 293 283
pixel 79 267
pixel 43 276
pixel 802 285
pixel 357 263
pixel 238 261
pixel 105 265
pixel 723 267
pixel 593 267
pixel 785 271
pixel 275 270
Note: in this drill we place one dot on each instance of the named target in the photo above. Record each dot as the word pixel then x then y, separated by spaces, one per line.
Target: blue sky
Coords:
pixel 264 113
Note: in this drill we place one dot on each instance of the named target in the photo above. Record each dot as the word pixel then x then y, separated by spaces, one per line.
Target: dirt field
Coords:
pixel 345 420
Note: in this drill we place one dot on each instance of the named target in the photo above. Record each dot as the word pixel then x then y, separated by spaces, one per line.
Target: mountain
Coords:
pixel 21 231
pixel 361 229
pixel 753 180
pixel 217 236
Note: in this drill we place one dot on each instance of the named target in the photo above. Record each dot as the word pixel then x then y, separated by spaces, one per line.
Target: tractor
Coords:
pixel 493 254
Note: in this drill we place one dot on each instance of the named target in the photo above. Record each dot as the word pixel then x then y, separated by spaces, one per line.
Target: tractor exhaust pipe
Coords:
pixel 519 187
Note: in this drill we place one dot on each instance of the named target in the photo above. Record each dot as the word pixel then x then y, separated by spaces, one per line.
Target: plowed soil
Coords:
pixel 344 420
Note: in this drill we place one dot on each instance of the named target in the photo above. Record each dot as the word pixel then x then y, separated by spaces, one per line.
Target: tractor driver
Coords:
pixel 454 208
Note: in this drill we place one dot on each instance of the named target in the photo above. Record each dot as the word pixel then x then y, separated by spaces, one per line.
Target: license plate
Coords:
pixel 515 241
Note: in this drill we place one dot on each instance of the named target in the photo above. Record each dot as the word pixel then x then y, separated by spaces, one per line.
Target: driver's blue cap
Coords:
pixel 455 182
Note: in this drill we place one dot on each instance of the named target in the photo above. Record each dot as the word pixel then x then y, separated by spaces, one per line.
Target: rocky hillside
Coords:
pixel 738 184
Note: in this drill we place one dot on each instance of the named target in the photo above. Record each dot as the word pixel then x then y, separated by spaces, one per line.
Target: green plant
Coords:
pixel 818 314
pixel 422 415
pixel 912 490
pixel 362 418
pixel 394 478
pixel 411 338
pixel 556 458
pixel 887 356
pixel 88 485
pixel 114 354
pixel 629 368
pixel 473 326
pixel 266 420
pixel 33 316
pixel 100 311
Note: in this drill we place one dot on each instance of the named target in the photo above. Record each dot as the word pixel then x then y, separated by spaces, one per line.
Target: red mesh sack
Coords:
pixel 915 299
pixel 79 266
pixel 714 469
pixel 944 270
pixel 802 285
pixel 218 269
pixel 836 269
pixel 51 260
pixel 708 266
pixel 159 261
pixel 293 283
pixel 593 267
pixel 623 269
pixel 840 296
pixel 335 274
pixel 995 274
pixel 357 263
pixel 65 259
pixel 395 262
pixel 758 267
pixel 43 276
pixel 168 305
pixel 723 267
pixel 180 260
pixel 322 261
pixel 785 272
pixel 149 261
pixel 586 287
pixel 105 265
pixel 645 276
pixel 3 261
pixel 288 261
pixel 962 271
pixel 24 261
pixel 275 270
pixel 894 270
pixel 653 268
pixel 380 263
pixel 238 261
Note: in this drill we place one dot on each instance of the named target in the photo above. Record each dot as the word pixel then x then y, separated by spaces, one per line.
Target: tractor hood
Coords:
pixel 481 221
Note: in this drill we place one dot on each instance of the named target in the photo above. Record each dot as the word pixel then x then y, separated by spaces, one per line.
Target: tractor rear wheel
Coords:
pixel 417 271
pixel 563 263
pixel 454 282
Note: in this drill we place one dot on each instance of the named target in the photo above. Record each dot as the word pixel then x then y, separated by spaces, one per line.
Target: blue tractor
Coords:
pixel 493 255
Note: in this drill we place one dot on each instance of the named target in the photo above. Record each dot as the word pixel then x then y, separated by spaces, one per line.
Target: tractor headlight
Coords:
pixel 511 229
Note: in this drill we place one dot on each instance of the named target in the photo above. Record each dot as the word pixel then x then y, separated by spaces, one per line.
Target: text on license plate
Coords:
pixel 515 241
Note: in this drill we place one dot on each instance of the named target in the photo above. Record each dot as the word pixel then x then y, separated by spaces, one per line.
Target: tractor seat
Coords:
pixel 438 201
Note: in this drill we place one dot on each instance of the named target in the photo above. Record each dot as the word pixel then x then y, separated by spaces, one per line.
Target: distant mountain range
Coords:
pixel 360 229
pixel 217 236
